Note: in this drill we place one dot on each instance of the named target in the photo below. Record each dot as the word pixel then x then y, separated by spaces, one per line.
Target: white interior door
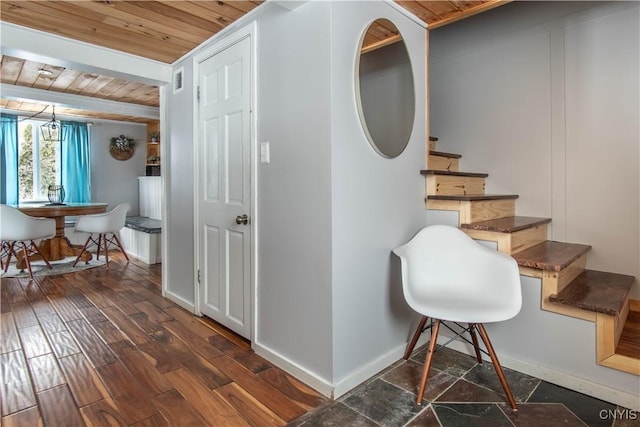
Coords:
pixel 224 190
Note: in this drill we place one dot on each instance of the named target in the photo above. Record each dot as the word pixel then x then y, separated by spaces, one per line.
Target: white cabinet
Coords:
pixel 150 188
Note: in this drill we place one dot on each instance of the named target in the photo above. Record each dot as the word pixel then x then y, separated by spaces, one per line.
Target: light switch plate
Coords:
pixel 265 153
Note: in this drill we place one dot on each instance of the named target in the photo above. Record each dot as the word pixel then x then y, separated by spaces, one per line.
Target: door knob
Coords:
pixel 242 219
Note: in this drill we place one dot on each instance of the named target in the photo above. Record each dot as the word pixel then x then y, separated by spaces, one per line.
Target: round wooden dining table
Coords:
pixel 59 247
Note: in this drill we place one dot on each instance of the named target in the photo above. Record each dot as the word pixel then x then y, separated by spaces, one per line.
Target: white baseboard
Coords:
pixel 180 301
pixel 359 376
pixel 560 378
pixel 311 379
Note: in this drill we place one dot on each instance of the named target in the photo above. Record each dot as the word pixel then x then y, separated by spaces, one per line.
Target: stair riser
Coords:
pixel 442 163
pixel 454 185
pixel 476 211
pixel 432 145
pixel 511 243
pixel 608 332
pixel 553 282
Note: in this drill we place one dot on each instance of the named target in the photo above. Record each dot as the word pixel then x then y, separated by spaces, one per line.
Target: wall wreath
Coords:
pixel 122 147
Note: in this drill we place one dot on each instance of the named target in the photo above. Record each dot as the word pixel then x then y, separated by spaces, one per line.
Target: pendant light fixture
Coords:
pixel 51 130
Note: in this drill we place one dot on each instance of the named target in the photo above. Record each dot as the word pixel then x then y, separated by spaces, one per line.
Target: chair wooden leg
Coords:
pixel 11 253
pixel 99 246
pixel 474 340
pixel 497 366
pixel 84 248
pixel 414 339
pixel 37 251
pixel 106 248
pixel 428 360
pixel 115 236
pixel 26 258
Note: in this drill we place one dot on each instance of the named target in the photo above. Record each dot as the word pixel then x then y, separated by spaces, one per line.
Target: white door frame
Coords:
pixel 250 32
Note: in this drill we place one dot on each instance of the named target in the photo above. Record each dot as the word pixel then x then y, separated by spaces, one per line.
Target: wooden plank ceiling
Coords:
pixel 162 30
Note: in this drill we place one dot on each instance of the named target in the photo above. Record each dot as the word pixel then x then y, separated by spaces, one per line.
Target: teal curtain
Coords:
pixel 8 159
pixel 76 160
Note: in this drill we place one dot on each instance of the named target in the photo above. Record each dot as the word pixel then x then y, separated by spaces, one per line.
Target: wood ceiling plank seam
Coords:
pixel 108 90
pixel 243 5
pixel 195 34
pixel 29 73
pixel 139 24
pixel 85 30
pixel 43 82
pixel 125 89
pixel 97 84
pixel 141 94
pixel 225 10
pixel 419 9
pixel 79 84
pixel 62 82
pixel 196 9
pixel 11 69
pixel 443 8
pixel 456 5
pixel 478 8
pixel 174 17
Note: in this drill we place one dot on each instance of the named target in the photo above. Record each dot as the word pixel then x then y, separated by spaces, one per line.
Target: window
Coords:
pixel 38 162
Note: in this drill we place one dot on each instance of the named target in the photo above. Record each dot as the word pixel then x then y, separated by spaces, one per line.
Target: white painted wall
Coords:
pixel 377 205
pixel 329 209
pixel 544 96
pixel 294 192
pixel 177 168
pixel 114 181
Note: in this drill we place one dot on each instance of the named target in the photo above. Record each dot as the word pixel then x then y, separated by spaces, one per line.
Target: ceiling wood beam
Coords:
pixel 78 101
pixel 52 49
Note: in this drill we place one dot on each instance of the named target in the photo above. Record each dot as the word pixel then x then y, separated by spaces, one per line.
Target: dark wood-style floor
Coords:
pixel 103 348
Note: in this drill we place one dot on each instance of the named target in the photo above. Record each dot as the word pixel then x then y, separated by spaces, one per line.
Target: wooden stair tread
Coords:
pixel 597 291
pixel 433 138
pixel 472 197
pixel 629 344
pixel 509 224
pixel 550 255
pixel 453 173
pixel 442 154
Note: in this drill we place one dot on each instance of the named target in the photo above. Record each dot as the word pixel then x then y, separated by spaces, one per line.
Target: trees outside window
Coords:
pixel 38 162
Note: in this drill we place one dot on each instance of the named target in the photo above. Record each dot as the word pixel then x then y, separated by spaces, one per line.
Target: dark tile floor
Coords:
pixel 461 392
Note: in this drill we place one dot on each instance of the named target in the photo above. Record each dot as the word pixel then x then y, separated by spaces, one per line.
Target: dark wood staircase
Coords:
pixel 568 288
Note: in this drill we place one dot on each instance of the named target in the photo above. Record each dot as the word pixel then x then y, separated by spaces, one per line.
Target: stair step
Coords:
pixel 428 172
pixel 509 224
pixel 443 154
pixel 438 160
pixel 596 291
pixel 471 197
pixel 453 182
pixel 512 234
pixel 475 207
pixel 551 255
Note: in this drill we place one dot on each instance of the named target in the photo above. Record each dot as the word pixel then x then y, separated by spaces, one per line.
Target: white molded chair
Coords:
pixel 103 225
pixel 17 228
pixel 447 276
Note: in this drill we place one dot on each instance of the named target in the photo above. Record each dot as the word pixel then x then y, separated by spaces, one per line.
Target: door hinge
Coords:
pixel 198 95
pixel 198 276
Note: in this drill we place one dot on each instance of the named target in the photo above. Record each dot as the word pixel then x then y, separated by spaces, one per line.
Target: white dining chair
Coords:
pixel 449 277
pixel 19 231
pixel 106 226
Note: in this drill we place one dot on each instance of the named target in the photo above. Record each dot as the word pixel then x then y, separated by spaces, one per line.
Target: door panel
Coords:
pixel 224 191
